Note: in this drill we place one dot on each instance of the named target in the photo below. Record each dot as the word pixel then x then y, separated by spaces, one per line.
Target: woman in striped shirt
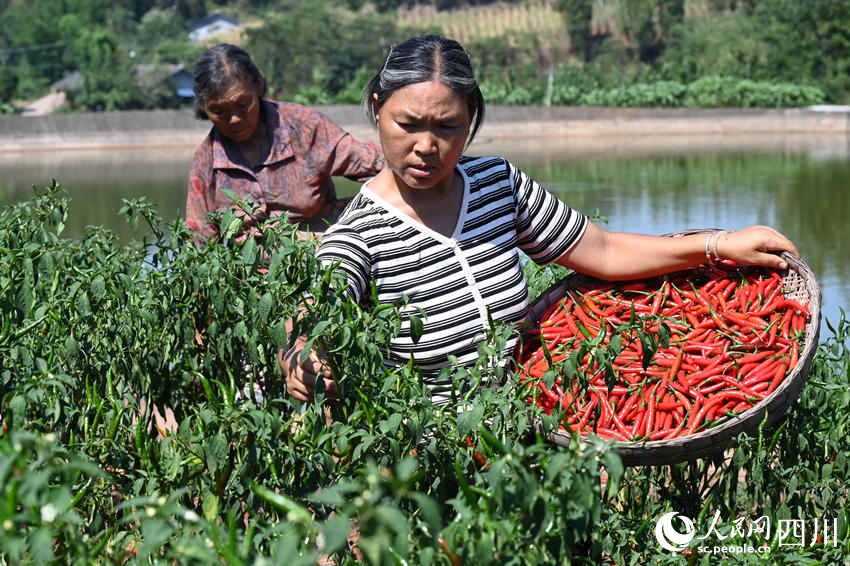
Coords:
pixel 443 231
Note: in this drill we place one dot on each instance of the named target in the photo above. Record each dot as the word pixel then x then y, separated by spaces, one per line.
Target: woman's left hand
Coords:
pixel 755 245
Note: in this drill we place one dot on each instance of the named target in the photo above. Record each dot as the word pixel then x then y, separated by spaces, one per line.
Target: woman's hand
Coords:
pixel 301 378
pixel 753 246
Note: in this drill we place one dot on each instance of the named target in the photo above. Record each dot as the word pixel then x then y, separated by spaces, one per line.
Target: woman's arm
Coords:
pixel 356 160
pixel 339 154
pixel 620 256
pixel 200 185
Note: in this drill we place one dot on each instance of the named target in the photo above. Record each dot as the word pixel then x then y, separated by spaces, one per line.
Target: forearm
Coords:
pixel 356 160
pixel 619 255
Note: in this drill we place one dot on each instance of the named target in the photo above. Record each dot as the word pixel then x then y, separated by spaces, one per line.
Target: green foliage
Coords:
pixel 8 84
pixel 728 44
pixel 811 42
pixel 44 486
pixel 319 47
pixel 93 335
pixel 578 15
pixel 719 91
pixel 318 52
pixel 706 92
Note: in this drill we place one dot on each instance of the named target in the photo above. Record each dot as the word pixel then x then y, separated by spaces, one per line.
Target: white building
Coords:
pixel 211 26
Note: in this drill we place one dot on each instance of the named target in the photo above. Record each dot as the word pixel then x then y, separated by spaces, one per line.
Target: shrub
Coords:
pixel 89 329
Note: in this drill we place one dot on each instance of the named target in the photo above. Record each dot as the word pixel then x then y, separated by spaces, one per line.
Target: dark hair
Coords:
pixel 422 59
pixel 216 70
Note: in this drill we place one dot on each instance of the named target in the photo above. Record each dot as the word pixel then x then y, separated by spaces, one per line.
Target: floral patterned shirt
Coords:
pixel 307 149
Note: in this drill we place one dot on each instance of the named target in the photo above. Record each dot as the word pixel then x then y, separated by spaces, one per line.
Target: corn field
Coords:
pixel 496 20
pixel 536 17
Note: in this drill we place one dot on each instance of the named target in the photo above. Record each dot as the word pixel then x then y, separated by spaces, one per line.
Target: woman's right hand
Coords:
pixel 301 378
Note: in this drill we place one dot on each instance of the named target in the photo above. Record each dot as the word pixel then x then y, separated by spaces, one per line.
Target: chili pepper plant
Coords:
pixel 99 339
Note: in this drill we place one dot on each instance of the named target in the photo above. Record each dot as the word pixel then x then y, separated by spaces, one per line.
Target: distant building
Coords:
pixel 73 82
pixel 152 75
pixel 211 26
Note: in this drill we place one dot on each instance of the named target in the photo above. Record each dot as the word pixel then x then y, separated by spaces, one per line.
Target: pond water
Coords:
pixel 801 189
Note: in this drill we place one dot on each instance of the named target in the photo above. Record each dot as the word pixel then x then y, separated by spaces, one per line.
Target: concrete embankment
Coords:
pixel 572 127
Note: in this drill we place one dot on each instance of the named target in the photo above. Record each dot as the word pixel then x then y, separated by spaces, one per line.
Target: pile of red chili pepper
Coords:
pixel 733 337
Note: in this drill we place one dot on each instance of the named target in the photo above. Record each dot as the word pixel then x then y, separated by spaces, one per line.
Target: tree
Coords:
pixel 810 41
pixel 578 15
pixel 319 43
pixel 158 25
pixel 648 23
pixel 8 83
pixel 108 81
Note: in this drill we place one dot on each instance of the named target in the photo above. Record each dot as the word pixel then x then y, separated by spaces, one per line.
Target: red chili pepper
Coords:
pixel 795 355
pixel 786 325
pixel 720 344
pixel 778 375
pixel 753 357
pixel 798 323
pixel 760 373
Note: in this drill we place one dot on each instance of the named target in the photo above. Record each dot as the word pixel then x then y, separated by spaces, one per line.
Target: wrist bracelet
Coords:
pixel 716 239
pixel 708 246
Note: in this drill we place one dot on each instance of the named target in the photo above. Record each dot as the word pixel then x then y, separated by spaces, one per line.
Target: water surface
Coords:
pixel 659 187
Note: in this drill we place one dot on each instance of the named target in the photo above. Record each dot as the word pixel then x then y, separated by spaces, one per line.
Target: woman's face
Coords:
pixel 423 128
pixel 236 112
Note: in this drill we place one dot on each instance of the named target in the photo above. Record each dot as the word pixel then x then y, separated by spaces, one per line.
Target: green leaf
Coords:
pixel 210 504
pixel 81 303
pixel 430 512
pixel 216 452
pixel 416 327
pixel 71 347
pixel 279 334
pixel 336 531
pixel 664 335
pixel 320 328
pixel 249 252
pixel 46 265
pixel 391 425
pixel 98 288
pixel 41 545
pixel 265 306
pixel 232 228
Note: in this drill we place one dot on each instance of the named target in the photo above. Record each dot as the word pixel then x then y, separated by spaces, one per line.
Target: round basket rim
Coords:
pixel 714 440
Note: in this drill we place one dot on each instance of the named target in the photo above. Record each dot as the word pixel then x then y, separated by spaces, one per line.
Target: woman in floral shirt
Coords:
pixel 280 155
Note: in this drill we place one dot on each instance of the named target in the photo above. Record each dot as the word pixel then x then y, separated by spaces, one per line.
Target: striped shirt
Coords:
pixel 458 280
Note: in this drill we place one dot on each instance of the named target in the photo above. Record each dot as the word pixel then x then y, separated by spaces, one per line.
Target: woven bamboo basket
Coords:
pixel 799 284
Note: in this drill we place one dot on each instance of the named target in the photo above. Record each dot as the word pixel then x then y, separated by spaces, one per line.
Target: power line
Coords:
pixel 7 53
pixel 17 50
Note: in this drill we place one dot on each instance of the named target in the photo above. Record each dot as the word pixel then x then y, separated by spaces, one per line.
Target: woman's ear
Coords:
pixel 375 107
